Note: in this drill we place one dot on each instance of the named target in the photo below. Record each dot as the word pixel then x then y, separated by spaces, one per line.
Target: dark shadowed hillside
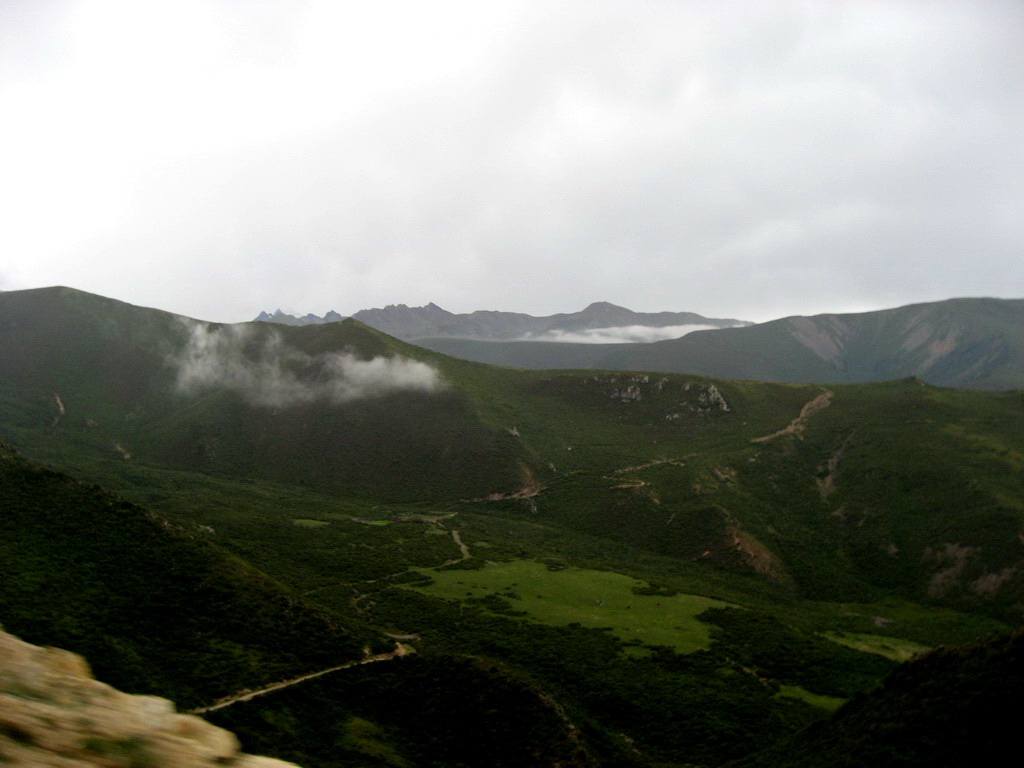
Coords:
pixel 952 707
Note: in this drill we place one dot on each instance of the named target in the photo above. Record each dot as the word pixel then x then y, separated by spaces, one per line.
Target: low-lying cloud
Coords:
pixel 621 334
pixel 267 372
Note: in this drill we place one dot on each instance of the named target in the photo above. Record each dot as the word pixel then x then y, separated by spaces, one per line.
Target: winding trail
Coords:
pixel 655 463
pixel 827 484
pixel 400 650
pixel 799 424
pixel 640 467
pixel 462 547
pixel 61 410
pixel 631 484
pixel 434 520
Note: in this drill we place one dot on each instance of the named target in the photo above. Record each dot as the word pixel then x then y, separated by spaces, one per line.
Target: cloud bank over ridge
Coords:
pixel 621 334
pixel 267 372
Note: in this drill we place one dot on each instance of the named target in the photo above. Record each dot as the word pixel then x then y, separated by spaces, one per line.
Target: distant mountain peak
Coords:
pixel 283 318
pixel 603 306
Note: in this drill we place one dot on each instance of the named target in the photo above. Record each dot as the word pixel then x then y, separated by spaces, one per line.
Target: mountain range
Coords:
pixel 599 320
pixel 976 343
pixel 617 568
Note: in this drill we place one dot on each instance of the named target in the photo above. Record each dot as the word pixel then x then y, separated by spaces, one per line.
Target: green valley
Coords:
pixel 623 569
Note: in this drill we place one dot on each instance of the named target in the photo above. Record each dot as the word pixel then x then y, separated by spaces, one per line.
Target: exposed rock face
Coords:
pixel 711 399
pixel 54 714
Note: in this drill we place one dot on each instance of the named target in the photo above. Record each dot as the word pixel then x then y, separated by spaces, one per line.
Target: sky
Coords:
pixel 737 159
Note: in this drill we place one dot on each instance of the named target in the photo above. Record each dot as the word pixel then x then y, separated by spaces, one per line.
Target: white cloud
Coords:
pixel 269 373
pixel 622 334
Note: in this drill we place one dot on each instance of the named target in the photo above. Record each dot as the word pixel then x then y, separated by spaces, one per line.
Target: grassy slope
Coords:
pixel 888 488
pixel 589 598
pixel 152 608
pixel 641 474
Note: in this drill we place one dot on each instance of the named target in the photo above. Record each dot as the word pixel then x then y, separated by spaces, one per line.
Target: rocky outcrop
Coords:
pixel 53 714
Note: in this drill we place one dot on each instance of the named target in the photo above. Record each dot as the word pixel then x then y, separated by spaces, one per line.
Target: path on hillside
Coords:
pixel 464 554
pixel 799 424
pixel 400 650
pixel 655 463
pixel 640 467
pixel 528 491
pixel 434 520
pixel 827 484
pixel 462 547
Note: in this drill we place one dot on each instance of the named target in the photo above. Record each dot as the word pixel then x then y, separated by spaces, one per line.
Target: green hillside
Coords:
pixel 83 375
pixel 680 570
pixel 153 607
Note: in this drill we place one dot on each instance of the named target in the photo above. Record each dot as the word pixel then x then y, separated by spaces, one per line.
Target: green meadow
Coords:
pixel 831 703
pixel 305 522
pixel 593 599
pixel 894 648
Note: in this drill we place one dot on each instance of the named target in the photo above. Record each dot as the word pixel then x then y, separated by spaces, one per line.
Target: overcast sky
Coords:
pixel 738 159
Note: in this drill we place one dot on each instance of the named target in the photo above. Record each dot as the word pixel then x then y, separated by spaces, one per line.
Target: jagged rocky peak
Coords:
pixel 53 713
pixel 428 310
pixel 283 318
